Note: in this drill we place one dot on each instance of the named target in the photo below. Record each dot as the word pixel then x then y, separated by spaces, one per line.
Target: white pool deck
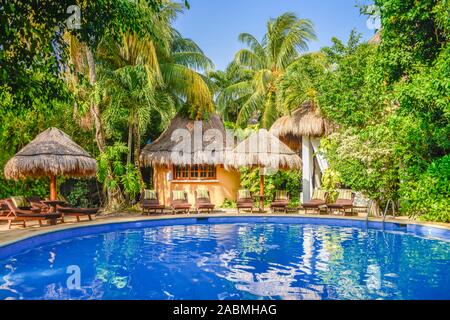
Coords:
pixel 18 232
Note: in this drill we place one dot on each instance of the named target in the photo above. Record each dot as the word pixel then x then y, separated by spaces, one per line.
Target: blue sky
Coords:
pixel 216 24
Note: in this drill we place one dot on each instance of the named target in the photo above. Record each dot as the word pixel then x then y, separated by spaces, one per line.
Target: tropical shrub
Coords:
pixel 429 196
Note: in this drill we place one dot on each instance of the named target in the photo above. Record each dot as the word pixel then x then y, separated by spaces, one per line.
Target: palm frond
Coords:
pixel 253 103
pixel 296 40
pixel 247 58
pixel 194 60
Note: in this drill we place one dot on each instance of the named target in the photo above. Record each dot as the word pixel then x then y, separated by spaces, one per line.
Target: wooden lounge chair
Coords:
pixel 343 202
pixel 66 210
pixel 36 203
pixel 318 200
pixel 179 201
pixel 280 201
pixel 69 211
pixel 203 201
pixel 150 202
pixel 20 210
pixel 244 200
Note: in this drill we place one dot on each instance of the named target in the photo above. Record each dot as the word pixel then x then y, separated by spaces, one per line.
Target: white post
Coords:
pixel 323 163
pixel 307 159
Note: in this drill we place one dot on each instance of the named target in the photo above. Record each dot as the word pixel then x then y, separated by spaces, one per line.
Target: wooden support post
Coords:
pixel 261 191
pixel 307 160
pixel 53 192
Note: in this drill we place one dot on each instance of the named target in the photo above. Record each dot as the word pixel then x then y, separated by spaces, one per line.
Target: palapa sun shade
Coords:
pixel 165 150
pixel 52 153
pixel 264 150
pixel 304 121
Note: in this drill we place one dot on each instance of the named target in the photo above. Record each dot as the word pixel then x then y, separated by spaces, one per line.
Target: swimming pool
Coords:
pixel 230 258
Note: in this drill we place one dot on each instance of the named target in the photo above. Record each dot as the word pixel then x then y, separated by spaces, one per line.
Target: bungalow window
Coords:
pixel 195 172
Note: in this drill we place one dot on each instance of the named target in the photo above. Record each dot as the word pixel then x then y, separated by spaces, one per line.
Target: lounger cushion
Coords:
pixel 149 194
pixel 178 195
pixel 341 203
pixel 202 193
pixel 319 194
pixel 314 203
pixel 345 194
pixel 20 202
pixel 281 195
pixel 244 194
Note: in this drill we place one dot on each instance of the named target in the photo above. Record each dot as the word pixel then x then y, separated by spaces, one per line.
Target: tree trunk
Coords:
pixel 137 149
pixel 137 141
pixel 114 196
pixel 130 139
pixel 94 108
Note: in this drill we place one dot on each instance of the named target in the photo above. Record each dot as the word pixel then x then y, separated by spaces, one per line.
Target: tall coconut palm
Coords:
pixel 181 69
pixel 286 37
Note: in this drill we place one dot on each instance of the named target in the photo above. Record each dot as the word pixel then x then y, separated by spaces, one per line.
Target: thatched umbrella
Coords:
pixel 52 153
pixel 304 121
pixel 300 130
pixel 262 149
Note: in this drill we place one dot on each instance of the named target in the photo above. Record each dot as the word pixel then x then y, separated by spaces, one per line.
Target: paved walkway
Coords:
pixel 17 232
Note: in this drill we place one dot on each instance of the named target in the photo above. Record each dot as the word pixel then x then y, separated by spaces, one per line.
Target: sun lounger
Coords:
pixel 317 201
pixel 203 201
pixel 20 210
pixel 68 211
pixel 244 200
pixel 63 208
pixel 343 203
pixel 150 202
pixel 280 201
pixel 179 202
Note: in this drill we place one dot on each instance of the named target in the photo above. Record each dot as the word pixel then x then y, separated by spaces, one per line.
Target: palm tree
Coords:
pixel 223 79
pixel 183 81
pixel 267 61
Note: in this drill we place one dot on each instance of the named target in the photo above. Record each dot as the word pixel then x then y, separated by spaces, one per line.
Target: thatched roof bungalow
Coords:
pixel 191 155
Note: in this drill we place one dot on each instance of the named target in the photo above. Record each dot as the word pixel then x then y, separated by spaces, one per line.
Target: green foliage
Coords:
pixel 282 180
pixel 365 161
pixel 79 195
pixel 413 33
pixel 392 104
pixel 346 94
pixel 428 196
pixel 228 204
pixel 114 174
pixel 331 181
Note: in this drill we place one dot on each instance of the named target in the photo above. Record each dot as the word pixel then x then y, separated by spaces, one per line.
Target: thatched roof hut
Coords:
pixel 51 153
pixel 263 149
pixel 205 143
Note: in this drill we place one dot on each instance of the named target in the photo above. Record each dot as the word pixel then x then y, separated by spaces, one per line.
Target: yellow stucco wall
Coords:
pixel 224 187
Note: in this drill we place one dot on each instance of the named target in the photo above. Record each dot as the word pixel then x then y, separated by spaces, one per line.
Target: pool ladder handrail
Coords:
pixel 384 215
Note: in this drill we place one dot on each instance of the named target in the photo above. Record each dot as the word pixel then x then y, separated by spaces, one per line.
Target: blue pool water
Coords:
pixel 232 261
